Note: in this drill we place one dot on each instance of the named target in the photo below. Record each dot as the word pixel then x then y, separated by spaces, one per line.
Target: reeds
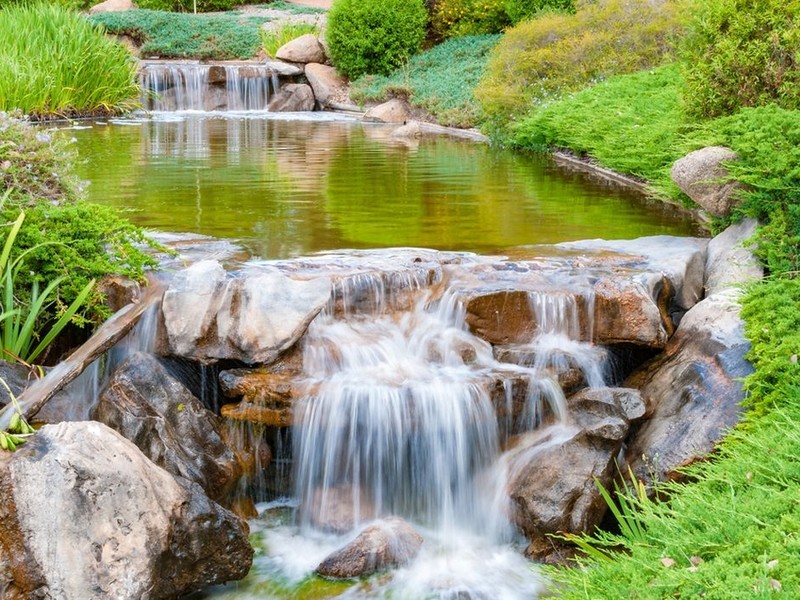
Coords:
pixel 53 62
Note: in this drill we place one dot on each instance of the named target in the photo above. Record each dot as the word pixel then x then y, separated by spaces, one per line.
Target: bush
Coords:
pixel 174 35
pixel 374 36
pixel 53 62
pixel 521 10
pixel 555 54
pixel 453 18
pixel 439 80
pixel 187 5
pixel 742 53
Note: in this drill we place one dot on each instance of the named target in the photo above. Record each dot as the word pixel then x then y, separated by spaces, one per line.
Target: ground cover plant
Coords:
pixel 188 6
pixel 439 80
pixel 293 9
pixel 178 35
pixel 54 62
pixel 272 39
pixel 374 36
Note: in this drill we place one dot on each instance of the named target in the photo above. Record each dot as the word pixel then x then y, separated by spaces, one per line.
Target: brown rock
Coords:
pixel 111 6
pixel 390 542
pixel 292 97
pixel 337 509
pixel 305 49
pixel 392 111
pixel 702 176
pixel 217 75
pixel 326 83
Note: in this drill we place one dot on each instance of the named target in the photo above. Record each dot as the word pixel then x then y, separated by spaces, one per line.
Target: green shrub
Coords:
pixel 271 39
pixel 521 10
pixel 554 54
pixel 176 35
pixel 374 36
pixel 188 5
pixel 452 18
pixel 439 80
pixel 53 62
pixel 742 53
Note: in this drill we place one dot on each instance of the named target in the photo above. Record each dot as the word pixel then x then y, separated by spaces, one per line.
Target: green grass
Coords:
pixel 180 35
pixel 272 40
pixel 53 62
pixel 439 80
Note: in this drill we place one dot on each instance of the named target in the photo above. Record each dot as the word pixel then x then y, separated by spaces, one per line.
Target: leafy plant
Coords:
pixel 188 5
pixel 439 80
pixel 520 10
pixel 374 36
pixel 272 39
pixel 54 62
pixel 19 430
pixel 453 18
pixel 177 35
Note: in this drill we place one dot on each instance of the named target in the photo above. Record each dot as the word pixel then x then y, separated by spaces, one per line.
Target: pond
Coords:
pixel 286 187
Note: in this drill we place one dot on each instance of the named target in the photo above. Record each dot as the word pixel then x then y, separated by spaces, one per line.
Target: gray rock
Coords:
pixel 606 412
pixel 84 514
pixel 693 391
pixel 390 542
pixel 111 6
pixel 730 262
pixel 305 49
pixel 702 176
pixel 152 409
pixel 292 97
pixel 411 129
pixel 392 111
pixel 17 377
pixel 327 84
pixel 283 69
pixel 252 318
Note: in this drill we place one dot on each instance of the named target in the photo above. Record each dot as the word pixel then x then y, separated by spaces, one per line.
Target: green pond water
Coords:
pixel 288 187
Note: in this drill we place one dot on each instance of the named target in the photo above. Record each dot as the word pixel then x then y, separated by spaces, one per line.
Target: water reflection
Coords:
pixel 288 187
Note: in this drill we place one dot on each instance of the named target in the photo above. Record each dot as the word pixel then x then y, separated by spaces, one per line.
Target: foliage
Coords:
pixel 188 5
pixel 554 54
pixel 271 39
pixel 374 36
pixel 175 35
pixel 521 10
pixel 53 62
pixel 18 430
pixel 453 18
pixel 439 80
pixel 742 53
pixel 292 8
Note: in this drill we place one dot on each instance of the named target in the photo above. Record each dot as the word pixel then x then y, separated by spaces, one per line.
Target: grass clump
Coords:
pixel 54 63
pixel 271 39
pixel 374 36
pixel 545 58
pixel 176 35
pixel 188 5
pixel 439 80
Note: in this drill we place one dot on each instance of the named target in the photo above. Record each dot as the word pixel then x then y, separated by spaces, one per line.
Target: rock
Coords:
pixel 215 97
pixel 252 318
pixel 552 472
pixel 411 129
pixel 730 263
pixel 152 409
pixel 111 6
pixel 327 84
pixel 17 377
pixel 305 49
pixel 292 97
pixel 84 514
pixel 390 542
pixel 283 69
pixel 217 75
pixel 337 509
pixel 118 291
pixel 392 111
pixel 702 176
pixel 693 391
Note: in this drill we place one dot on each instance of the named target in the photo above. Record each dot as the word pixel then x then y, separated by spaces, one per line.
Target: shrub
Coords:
pixel 173 35
pixel 439 80
pixel 521 10
pixel 452 18
pixel 53 62
pixel 188 5
pixel 271 39
pixel 742 53
pixel 554 54
pixel 374 36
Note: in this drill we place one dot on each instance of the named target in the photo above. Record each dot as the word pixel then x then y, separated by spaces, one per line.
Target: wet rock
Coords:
pixel 552 473
pixel 217 75
pixel 17 377
pixel 337 509
pixel 327 84
pixel 292 97
pixel 392 111
pixel 283 69
pixel 152 409
pixel 84 514
pixel 730 261
pixel 111 6
pixel 118 291
pixel 215 98
pixel 253 318
pixel 702 176
pixel 693 391
pixel 390 542
pixel 305 49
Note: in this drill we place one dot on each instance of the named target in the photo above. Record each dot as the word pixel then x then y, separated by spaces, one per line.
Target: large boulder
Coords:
pixel 84 514
pixel 253 317
pixel 292 97
pixel 552 473
pixel 327 84
pixel 702 176
pixel 151 408
pixel 304 49
pixel 111 6
pixel 730 262
pixel 390 542
pixel 693 391
pixel 391 111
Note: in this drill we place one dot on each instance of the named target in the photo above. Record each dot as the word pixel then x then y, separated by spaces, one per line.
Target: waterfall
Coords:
pixel 201 87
